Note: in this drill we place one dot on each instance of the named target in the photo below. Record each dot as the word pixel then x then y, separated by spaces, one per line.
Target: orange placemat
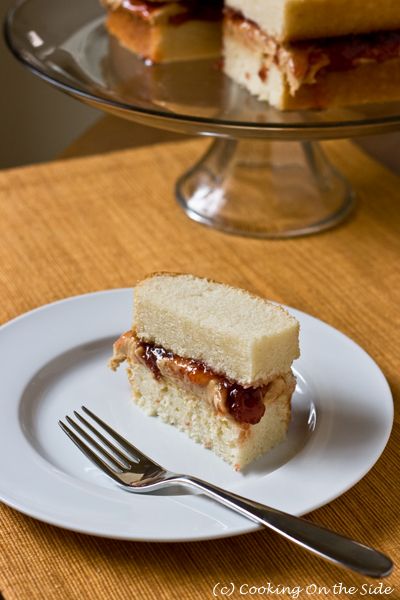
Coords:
pixel 80 225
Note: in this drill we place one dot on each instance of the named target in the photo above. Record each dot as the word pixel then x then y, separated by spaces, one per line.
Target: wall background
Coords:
pixel 36 121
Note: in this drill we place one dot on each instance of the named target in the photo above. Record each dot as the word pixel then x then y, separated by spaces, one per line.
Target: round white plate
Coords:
pixel 54 359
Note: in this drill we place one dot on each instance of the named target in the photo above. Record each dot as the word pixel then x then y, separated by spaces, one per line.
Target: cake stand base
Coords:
pixel 265 189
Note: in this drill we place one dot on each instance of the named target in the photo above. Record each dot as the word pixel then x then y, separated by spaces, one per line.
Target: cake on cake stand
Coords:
pixel 264 175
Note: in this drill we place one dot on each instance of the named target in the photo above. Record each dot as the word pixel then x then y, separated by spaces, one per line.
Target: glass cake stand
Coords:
pixel 263 176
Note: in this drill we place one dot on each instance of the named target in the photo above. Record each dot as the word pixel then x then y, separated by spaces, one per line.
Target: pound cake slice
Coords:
pixel 166 30
pixel 213 360
pixel 299 54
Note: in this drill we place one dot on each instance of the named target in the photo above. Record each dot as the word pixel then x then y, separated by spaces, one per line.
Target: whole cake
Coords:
pixel 213 360
pixel 295 54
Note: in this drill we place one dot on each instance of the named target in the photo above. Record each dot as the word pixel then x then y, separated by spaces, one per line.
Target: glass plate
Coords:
pixel 67 44
pixel 258 188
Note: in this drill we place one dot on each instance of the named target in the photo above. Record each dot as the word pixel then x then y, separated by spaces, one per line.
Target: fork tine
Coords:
pixel 96 445
pixel 84 448
pixel 137 454
pixel 105 441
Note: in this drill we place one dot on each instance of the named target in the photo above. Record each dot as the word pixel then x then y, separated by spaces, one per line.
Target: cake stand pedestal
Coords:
pixel 265 189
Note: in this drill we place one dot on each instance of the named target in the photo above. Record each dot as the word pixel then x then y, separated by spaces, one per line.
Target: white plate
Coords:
pixel 54 359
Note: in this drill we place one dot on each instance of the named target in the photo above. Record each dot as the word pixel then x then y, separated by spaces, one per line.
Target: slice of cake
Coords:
pixel 166 31
pixel 299 54
pixel 213 360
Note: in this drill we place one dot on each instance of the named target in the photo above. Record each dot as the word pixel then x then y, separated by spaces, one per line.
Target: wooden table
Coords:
pixel 86 224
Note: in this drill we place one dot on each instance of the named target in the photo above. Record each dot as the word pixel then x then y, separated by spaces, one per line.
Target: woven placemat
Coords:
pixel 81 225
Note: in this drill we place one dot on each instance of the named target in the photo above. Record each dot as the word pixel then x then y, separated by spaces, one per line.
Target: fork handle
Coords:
pixel 329 545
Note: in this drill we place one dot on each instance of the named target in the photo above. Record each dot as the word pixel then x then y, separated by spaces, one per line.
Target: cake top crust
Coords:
pixel 290 20
pixel 233 331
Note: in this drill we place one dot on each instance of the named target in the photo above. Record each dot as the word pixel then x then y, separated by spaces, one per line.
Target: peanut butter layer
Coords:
pixel 244 404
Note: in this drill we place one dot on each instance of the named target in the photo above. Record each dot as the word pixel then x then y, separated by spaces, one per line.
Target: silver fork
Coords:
pixel 136 472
